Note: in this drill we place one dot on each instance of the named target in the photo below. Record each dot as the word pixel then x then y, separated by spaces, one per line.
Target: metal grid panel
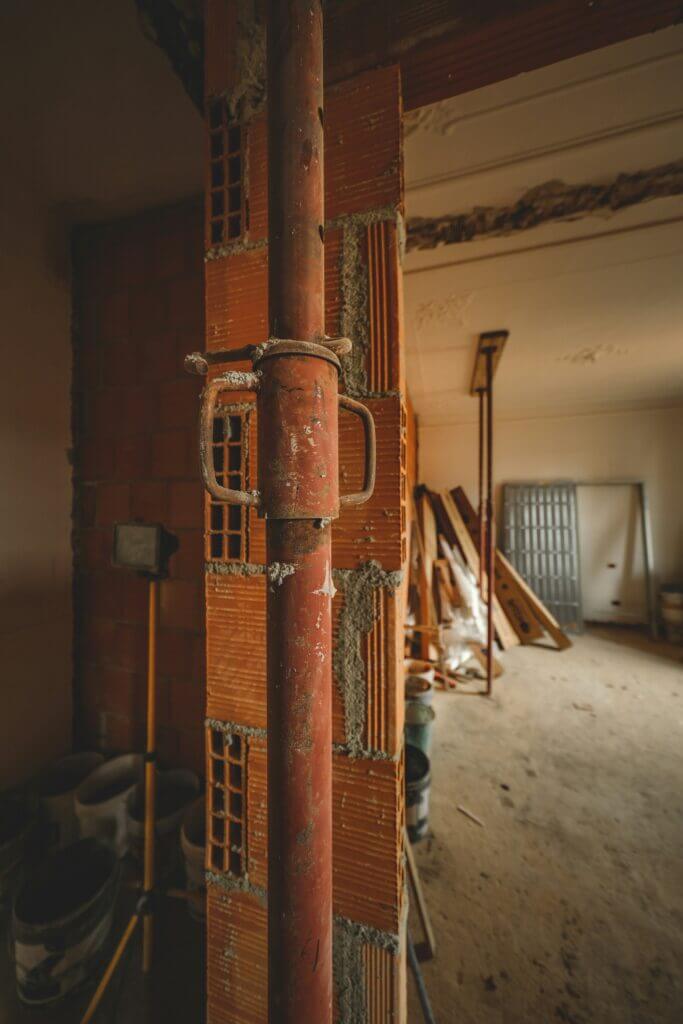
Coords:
pixel 540 537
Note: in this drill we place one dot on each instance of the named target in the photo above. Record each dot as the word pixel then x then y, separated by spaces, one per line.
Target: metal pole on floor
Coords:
pixel 490 527
pixel 481 394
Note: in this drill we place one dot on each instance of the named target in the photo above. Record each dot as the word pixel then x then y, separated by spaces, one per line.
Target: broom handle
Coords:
pixel 150 775
pixel 111 967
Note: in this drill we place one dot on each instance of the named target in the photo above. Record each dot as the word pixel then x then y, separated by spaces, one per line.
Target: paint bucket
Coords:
pixel 100 801
pixel 417 667
pixel 671 608
pixel 57 787
pixel 419 689
pixel 193 844
pixel 16 825
pixel 419 724
pixel 417 792
pixel 175 790
pixel 61 919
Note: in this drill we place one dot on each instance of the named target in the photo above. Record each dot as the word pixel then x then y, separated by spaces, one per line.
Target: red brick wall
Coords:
pixel 138 309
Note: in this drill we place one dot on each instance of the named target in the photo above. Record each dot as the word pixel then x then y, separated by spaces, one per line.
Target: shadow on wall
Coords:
pixel 35 637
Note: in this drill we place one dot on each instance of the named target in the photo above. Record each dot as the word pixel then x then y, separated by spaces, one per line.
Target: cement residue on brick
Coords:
pixel 355 311
pixel 230 728
pixel 278 573
pixel 367 935
pixel 235 568
pixel 231 884
pixel 248 95
pixel 355 318
pixel 217 252
pixel 349 979
pixel 357 618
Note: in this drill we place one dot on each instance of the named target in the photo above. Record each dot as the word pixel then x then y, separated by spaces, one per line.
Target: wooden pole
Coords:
pixel 150 775
pixel 111 967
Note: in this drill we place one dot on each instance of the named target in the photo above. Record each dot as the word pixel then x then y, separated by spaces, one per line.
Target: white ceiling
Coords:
pixel 594 306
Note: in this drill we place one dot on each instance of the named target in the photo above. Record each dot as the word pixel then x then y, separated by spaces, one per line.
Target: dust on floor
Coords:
pixel 568 904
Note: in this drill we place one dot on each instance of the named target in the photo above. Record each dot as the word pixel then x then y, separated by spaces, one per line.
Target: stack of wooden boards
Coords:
pixel 519 617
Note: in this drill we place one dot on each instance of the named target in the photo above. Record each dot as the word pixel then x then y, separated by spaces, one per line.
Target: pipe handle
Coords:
pixel 365 416
pixel 233 380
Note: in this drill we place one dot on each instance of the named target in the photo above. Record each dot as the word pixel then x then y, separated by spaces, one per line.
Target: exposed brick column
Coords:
pixel 363 203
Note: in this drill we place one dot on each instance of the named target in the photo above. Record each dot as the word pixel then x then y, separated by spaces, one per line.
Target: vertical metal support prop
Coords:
pixel 480 395
pixel 296 378
pixel 490 526
pixel 300 603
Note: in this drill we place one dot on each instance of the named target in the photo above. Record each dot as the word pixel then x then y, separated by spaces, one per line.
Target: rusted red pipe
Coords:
pixel 298 438
pixel 490 527
pixel 480 395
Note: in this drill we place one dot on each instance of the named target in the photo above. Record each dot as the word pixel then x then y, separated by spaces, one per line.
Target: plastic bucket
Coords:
pixel 57 787
pixel 420 689
pixel 193 845
pixel 417 792
pixel 175 790
pixel 101 801
pixel 61 919
pixel 16 822
pixel 419 725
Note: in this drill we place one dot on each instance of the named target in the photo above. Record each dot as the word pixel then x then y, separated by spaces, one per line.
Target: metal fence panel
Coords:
pixel 541 539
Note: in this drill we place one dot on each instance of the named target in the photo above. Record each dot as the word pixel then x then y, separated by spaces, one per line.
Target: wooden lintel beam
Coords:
pixel 445 47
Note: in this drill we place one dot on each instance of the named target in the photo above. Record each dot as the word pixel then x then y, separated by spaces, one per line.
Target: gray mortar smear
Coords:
pixel 278 573
pixel 230 728
pixel 368 935
pixel 355 315
pixel 367 755
pixel 356 619
pixel 234 568
pixel 230 884
pixel 349 981
pixel 249 93
pixel 216 252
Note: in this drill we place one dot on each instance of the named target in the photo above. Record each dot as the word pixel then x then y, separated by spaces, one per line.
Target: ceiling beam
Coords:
pixel 444 47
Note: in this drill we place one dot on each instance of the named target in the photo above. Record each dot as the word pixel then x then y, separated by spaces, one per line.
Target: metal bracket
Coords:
pixel 239 380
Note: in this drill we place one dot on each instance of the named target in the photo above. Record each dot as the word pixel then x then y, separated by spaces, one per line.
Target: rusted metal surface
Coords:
pixel 296 378
pixel 299 604
pixel 489 353
pixel 298 436
pixel 480 399
pixel 300 774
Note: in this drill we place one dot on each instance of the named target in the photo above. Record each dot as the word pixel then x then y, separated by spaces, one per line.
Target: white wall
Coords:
pixel 643 444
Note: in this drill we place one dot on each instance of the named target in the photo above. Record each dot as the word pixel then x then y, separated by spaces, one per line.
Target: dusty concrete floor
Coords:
pixel 568 904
